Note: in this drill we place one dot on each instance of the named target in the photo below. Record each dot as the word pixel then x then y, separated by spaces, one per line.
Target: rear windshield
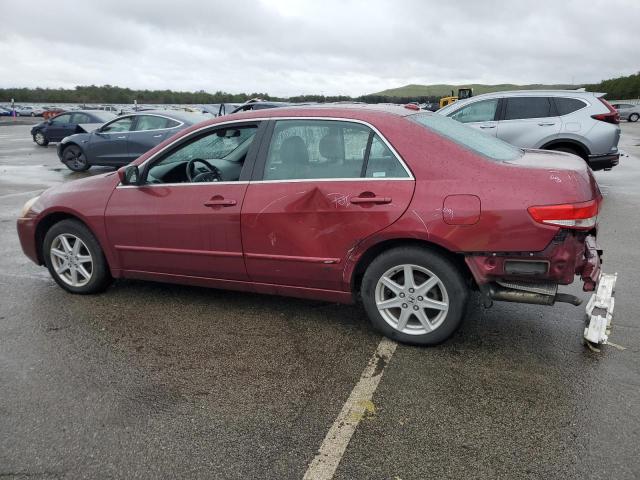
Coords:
pixel 470 138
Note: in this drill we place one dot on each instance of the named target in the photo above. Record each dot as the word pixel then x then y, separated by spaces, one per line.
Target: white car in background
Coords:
pixel 29 111
pixel 628 111
pixel 581 123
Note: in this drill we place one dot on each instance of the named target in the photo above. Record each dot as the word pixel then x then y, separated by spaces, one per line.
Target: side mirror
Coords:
pixel 129 175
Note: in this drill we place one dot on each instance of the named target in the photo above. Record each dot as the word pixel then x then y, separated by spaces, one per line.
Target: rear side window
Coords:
pixel 527 107
pixel 325 149
pixel 81 118
pixel 566 106
pixel 470 138
pixel 150 122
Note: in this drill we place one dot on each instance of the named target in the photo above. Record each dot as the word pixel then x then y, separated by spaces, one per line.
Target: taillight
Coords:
pixel 581 216
pixel 412 106
pixel 612 117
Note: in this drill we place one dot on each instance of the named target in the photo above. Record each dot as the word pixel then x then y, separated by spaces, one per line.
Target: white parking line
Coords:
pixel 324 465
pixel 45 278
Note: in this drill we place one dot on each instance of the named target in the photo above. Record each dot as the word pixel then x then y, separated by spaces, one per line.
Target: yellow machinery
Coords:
pixel 462 94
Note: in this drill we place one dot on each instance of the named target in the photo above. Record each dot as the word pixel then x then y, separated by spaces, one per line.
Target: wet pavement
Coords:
pixel 159 381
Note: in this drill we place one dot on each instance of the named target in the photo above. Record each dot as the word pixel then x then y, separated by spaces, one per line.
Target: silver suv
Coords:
pixel 582 123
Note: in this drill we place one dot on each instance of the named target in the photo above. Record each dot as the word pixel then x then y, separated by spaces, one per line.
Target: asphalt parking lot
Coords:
pixel 160 381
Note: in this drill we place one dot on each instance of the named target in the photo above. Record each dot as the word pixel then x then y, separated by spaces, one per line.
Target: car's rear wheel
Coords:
pixel 74 258
pixel 33 114
pixel 40 139
pixel 75 159
pixel 634 117
pixel 414 295
pixel 573 151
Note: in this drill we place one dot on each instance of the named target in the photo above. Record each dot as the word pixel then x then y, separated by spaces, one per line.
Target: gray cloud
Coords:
pixel 288 47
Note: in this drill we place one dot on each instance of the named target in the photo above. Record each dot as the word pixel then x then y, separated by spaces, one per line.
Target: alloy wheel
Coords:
pixel 71 260
pixel 74 158
pixel 412 299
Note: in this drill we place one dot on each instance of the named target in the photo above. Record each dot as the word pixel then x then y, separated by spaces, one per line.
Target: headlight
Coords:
pixel 28 205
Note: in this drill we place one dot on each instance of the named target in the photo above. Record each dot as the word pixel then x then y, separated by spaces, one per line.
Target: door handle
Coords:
pixel 376 200
pixel 487 126
pixel 546 124
pixel 218 201
pixel 123 136
pixel 157 136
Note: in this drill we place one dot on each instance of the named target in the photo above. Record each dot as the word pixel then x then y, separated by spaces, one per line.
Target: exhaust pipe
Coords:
pixel 496 292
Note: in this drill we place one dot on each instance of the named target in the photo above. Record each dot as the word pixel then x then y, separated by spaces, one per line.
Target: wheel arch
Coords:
pixel 52 218
pixel 365 258
pixel 581 148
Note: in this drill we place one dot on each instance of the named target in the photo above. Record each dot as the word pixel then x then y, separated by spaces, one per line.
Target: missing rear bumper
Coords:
pixel 600 310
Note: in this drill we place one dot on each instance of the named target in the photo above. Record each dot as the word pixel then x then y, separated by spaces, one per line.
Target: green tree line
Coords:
pixel 117 95
pixel 620 88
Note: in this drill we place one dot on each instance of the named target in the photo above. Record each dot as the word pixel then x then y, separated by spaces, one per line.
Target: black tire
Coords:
pixel 41 139
pixel 450 278
pixel 33 114
pixel 75 159
pixel 100 276
pixel 634 117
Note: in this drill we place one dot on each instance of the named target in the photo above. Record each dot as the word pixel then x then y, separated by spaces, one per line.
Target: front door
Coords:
pixel 322 186
pixel 108 144
pixel 480 114
pixel 184 219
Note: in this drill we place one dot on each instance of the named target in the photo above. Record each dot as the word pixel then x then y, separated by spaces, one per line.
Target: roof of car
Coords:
pixel 328 109
pixel 182 116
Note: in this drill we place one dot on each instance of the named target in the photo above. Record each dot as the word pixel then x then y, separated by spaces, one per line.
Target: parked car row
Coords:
pixel 403 210
pixel 580 123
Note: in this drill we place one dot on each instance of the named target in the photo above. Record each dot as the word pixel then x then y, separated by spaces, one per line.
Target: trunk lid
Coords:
pixel 569 174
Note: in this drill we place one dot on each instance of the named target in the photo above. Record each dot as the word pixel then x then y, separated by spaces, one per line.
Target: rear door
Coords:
pixel 319 188
pixel 528 122
pixel 108 145
pixel 149 131
pixel 481 114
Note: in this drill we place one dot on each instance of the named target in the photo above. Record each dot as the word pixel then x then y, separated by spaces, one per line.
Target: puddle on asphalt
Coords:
pixel 42 174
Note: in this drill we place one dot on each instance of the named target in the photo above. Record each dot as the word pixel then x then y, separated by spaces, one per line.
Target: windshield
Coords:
pixel 470 138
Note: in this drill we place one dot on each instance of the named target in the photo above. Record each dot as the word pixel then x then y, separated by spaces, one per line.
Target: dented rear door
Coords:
pixel 298 225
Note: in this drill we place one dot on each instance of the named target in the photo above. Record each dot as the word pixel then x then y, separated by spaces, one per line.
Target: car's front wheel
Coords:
pixel 75 159
pixel 634 117
pixel 40 139
pixel 414 295
pixel 74 258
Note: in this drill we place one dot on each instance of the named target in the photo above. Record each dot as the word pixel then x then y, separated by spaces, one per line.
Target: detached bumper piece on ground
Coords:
pixel 600 311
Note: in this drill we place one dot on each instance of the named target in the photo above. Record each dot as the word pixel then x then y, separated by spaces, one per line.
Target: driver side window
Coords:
pixel 214 156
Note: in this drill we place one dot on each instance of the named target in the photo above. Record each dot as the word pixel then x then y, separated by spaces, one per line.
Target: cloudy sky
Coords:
pixel 290 47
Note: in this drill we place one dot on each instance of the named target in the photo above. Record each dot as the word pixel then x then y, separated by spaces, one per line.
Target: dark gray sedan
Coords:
pixel 124 139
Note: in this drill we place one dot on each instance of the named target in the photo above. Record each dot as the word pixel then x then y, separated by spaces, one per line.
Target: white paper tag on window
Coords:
pixel 379 174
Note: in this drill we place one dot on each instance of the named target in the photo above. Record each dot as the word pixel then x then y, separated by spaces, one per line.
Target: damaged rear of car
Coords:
pixel 525 222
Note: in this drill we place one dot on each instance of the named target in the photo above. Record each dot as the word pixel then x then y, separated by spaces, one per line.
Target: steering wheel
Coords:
pixel 211 175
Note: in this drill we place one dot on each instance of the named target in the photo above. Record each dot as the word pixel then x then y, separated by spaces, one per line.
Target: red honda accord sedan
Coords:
pixel 406 211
